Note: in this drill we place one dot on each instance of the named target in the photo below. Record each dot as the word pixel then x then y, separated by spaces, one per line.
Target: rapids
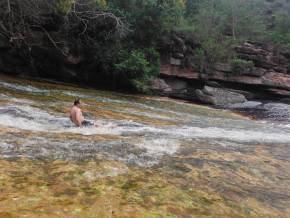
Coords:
pixel 163 158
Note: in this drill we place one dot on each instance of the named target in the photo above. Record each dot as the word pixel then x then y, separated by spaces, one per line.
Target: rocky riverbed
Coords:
pixel 164 158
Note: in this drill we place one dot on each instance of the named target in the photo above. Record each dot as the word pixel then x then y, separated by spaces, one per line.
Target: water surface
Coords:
pixel 164 158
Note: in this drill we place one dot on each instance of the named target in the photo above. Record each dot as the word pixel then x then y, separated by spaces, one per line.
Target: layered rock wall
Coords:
pixel 266 70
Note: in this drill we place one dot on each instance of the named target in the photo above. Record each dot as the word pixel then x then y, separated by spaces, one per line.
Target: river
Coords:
pixel 162 158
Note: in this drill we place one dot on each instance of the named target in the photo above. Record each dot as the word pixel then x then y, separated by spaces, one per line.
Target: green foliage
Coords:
pixel 192 7
pixel 142 85
pixel 102 4
pixel 217 26
pixel 278 37
pixel 172 13
pixel 200 59
pixel 138 63
pixel 138 66
pixel 133 64
pixel 149 19
pixel 63 6
pixel 217 51
pixel 236 18
pixel 154 59
pixel 240 66
pixel 281 30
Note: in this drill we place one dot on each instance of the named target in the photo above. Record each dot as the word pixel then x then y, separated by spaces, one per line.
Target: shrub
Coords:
pixel 139 67
pixel 240 66
pixel 199 59
pixel 279 38
pixel 102 4
pixel 63 6
pixel 154 59
pixel 133 64
pixel 217 51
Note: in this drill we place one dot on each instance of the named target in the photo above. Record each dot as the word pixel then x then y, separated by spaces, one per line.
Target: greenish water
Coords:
pixel 164 158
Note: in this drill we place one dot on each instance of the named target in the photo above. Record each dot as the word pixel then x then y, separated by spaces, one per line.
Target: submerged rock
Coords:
pixel 219 96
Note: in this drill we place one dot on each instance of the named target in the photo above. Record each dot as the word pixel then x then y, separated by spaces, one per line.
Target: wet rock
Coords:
pixel 219 96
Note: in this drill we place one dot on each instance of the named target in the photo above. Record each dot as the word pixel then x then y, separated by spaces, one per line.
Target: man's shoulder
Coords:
pixel 74 108
pixel 77 109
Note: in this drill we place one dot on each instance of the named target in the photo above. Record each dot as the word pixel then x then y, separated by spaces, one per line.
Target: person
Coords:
pixel 76 115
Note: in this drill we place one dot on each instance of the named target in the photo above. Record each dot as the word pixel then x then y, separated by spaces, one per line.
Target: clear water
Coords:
pixel 162 158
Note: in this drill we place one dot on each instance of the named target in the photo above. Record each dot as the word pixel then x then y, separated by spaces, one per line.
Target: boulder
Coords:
pixel 181 89
pixel 177 85
pixel 174 87
pixel 212 83
pixel 175 61
pixel 219 97
pixel 160 86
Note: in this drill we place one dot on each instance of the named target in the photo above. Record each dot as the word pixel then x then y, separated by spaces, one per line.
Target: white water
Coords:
pixel 30 118
pixel 142 143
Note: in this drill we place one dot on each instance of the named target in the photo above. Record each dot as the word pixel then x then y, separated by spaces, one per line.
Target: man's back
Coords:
pixel 76 115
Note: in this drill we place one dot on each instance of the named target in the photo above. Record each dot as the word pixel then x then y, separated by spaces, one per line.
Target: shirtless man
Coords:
pixel 76 115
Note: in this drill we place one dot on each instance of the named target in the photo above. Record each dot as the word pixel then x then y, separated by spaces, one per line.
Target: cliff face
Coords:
pixel 258 68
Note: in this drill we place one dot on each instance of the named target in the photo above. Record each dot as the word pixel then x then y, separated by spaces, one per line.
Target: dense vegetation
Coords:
pixel 120 38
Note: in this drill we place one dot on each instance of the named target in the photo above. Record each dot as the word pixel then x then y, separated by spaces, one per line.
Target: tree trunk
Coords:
pixel 233 27
pixel 8 6
pixel 233 20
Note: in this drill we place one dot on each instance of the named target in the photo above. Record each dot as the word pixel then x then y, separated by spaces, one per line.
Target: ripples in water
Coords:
pixel 163 157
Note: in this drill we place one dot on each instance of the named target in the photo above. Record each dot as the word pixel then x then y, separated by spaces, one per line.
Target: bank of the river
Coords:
pixel 165 158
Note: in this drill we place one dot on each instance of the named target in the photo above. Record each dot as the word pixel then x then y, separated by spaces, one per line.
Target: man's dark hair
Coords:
pixel 77 101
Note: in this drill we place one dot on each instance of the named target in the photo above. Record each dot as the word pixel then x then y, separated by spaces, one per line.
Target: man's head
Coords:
pixel 77 102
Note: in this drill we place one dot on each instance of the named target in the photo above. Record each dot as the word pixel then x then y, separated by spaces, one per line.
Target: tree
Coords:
pixel 8 6
pixel 77 18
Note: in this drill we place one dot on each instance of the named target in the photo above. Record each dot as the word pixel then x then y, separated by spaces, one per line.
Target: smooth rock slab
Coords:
pixel 219 96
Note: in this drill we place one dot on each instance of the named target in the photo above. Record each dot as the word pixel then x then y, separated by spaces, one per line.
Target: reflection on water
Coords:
pixel 162 159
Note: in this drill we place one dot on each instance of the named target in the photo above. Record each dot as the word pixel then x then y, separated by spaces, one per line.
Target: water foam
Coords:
pixel 34 119
pixel 238 135
pixel 31 118
pixel 159 147
pixel 26 88
pixel 248 104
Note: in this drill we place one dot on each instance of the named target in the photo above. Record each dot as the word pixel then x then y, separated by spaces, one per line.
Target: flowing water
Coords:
pixel 162 158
